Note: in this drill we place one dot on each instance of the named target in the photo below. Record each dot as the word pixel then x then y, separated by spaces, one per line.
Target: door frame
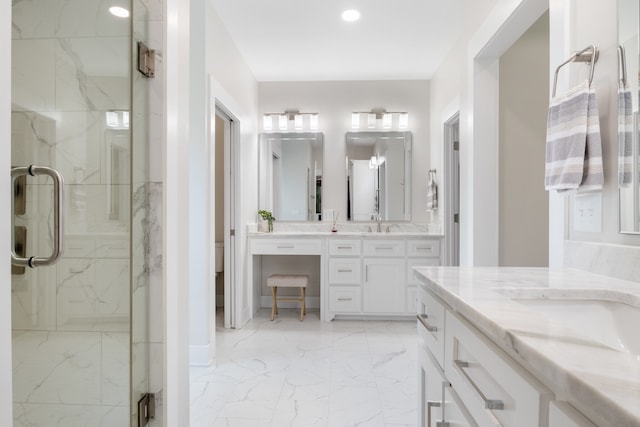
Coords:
pixel 479 179
pixel 231 139
pixel 6 398
pixel 451 190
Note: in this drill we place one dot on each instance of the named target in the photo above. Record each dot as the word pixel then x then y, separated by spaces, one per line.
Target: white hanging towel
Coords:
pixel 574 148
pixel 625 138
pixel 432 192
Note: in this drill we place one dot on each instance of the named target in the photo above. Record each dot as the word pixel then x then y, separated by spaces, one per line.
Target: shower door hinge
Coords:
pixel 456 218
pixel 232 232
pixel 146 409
pixel 456 145
pixel 146 60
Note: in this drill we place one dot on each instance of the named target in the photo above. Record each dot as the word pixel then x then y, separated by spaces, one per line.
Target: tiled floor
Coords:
pixel 311 373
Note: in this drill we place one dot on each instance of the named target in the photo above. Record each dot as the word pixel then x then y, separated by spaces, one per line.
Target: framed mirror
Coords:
pixel 291 175
pixel 378 176
pixel 628 103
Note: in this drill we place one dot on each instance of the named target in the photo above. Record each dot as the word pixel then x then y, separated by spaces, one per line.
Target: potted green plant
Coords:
pixel 267 216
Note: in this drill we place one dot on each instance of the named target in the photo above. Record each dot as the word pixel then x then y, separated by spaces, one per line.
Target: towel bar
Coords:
pixel 588 54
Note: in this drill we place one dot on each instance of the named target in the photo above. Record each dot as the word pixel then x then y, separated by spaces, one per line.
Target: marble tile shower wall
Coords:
pixel 71 320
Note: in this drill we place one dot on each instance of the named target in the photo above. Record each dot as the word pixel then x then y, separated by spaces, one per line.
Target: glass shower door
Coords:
pixel 71 102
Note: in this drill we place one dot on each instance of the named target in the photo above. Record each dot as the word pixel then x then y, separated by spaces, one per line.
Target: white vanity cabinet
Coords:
pixel 384 285
pixel 496 391
pixel 345 273
pixel 374 276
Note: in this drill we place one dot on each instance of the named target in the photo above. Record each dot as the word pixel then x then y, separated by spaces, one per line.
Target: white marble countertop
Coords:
pixel 343 234
pixel 599 380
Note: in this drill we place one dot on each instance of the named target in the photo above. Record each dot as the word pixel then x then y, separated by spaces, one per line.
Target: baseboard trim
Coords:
pixel 199 355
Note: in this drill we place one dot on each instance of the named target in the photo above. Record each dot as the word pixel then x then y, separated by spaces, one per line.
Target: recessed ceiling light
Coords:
pixel 350 15
pixel 120 12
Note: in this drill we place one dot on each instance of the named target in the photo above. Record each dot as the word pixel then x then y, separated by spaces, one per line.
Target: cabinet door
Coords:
pixel 455 413
pixel 431 382
pixel 384 288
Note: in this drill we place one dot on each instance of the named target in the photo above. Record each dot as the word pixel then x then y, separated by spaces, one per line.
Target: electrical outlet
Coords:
pixel 587 212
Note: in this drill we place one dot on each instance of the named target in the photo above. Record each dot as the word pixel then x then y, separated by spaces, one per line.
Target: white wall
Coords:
pixel 237 90
pixel 335 101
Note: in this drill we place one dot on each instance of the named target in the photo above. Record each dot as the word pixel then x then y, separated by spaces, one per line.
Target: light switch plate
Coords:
pixel 586 214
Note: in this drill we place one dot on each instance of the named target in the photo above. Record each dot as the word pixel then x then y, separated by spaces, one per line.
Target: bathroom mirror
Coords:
pixel 290 173
pixel 378 176
pixel 628 138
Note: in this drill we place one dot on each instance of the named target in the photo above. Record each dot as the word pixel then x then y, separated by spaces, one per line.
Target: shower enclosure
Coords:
pixel 79 154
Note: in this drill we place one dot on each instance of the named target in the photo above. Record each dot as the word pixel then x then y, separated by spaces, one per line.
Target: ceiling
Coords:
pixel 306 40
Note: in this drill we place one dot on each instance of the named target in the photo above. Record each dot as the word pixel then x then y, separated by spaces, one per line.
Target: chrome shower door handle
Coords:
pixel 58 202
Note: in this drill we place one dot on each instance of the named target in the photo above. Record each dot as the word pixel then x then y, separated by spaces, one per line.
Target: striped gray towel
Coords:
pixel 574 148
pixel 625 137
pixel 432 192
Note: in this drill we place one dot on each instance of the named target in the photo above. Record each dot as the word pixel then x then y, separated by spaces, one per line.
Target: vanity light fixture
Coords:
pixel 355 120
pixel 371 120
pixel 283 123
pixel 313 121
pixel 298 119
pixel 267 122
pixel 403 121
pixel 117 119
pixel 350 15
pixel 387 119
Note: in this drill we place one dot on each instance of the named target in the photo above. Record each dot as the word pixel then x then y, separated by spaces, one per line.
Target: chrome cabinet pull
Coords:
pixel 431 404
pixel 58 202
pixel 423 319
pixel 344 270
pixel 488 403
pixel 345 247
pixel 285 246
pixel 344 299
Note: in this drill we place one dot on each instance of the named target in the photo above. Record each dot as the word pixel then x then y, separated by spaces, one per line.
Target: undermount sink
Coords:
pixel 611 323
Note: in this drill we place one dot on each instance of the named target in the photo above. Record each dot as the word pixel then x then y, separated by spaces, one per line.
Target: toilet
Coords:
pixel 219 257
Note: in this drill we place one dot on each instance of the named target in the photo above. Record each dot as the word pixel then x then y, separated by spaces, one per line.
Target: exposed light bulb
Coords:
pixel 297 121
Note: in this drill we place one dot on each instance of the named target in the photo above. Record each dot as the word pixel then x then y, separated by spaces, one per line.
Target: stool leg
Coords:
pixel 273 302
pixel 303 309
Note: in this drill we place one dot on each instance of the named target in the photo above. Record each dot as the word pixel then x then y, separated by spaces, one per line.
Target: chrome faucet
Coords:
pixel 379 221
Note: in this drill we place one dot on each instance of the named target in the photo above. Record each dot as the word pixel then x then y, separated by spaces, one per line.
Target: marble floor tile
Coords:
pixel 310 373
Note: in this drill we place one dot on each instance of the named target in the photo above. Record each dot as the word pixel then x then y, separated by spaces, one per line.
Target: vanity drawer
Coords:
pixel 495 389
pixel 344 299
pixel 286 246
pixel 411 263
pixel 345 247
pixel 423 248
pixel 384 248
pixel 431 324
pixel 344 271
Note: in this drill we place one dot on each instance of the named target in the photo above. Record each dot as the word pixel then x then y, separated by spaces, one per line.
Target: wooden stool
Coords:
pixel 276 281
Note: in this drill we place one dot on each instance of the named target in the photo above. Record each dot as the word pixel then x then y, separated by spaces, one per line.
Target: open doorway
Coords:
pixel 522 113
pixel 226 132
pixel 452 190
